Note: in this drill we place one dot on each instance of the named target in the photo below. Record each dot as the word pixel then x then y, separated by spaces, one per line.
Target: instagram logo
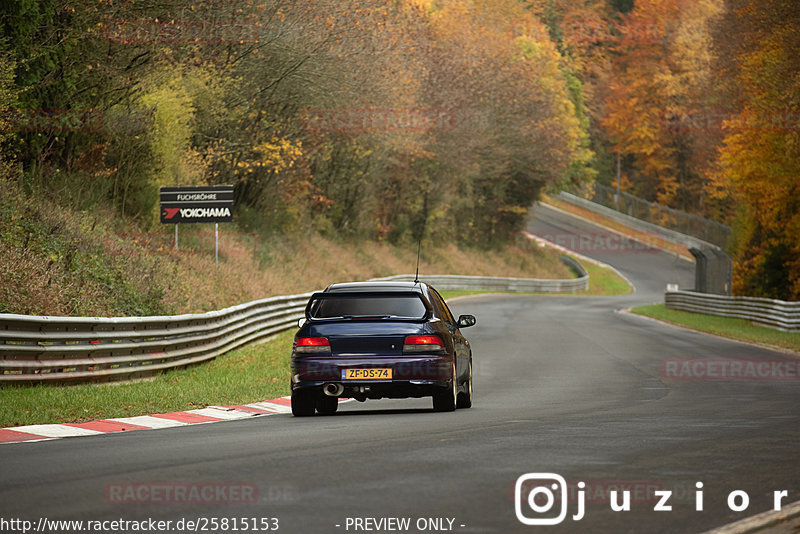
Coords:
pixel 542 498
pixel 538 492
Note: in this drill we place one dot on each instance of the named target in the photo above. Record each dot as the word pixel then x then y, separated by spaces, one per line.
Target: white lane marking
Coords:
pixel 54 431
pixel 57 431
pixel 149 421
pixel 26 440
pixel 278 408
pixel 223 413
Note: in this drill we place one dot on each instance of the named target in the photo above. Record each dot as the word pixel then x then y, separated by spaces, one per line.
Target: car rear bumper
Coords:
pixel 412 376
pixel 381 390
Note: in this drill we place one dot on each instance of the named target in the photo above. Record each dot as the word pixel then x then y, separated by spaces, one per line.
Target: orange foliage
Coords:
pixel 759 163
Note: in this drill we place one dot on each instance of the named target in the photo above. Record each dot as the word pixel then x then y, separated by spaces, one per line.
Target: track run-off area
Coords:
pixel 571 386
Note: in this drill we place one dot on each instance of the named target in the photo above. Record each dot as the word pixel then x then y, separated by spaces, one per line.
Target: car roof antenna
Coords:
pixel 416 276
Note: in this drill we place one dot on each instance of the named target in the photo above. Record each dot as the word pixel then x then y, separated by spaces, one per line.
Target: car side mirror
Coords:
pixel 466 320
pixel 301 322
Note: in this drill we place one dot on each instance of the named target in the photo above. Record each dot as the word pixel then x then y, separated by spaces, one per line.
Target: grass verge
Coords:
pixel 250 374
pixel 603 282
pixel 738 329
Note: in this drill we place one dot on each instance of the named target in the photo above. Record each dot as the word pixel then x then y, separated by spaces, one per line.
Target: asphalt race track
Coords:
pixel 563 385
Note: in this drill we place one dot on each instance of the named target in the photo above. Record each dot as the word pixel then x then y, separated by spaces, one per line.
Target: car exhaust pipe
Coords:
pixel 333 389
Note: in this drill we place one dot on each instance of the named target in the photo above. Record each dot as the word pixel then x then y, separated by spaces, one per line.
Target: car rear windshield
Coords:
pixel 354 306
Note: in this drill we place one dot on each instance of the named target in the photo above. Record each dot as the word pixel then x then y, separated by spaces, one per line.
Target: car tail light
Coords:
pixel 423 344
pixel 317 345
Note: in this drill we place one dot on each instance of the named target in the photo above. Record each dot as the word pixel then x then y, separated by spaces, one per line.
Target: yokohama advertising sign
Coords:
pixel 197 204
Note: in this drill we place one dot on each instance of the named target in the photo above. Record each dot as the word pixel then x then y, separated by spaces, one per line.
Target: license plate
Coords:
pixel 366 374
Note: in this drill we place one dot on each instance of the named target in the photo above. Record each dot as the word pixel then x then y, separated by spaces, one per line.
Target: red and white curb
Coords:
pixel 212 414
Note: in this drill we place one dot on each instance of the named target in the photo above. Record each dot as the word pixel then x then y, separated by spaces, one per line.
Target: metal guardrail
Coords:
pixel 57 349
pixel 80 349
pixel 777 314
pixel 489 283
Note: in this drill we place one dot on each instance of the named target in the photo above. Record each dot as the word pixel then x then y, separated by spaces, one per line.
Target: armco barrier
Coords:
pixel 777 314
pixel 50 349
pixel 488 283
pixel 79 349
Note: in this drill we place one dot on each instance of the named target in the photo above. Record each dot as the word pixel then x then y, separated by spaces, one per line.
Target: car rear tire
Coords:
pixel 445 399
pixel 465 398
pixel 303 402
pixel 327 405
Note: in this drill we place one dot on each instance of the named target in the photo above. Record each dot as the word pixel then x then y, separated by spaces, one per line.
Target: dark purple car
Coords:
pixel 373 340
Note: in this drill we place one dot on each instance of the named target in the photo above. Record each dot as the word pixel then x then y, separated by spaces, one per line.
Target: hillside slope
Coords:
pixel 56 261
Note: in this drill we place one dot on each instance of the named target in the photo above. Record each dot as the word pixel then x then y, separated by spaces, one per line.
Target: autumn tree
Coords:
pixel 660 86
pixel 520 131
pixel 759 161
